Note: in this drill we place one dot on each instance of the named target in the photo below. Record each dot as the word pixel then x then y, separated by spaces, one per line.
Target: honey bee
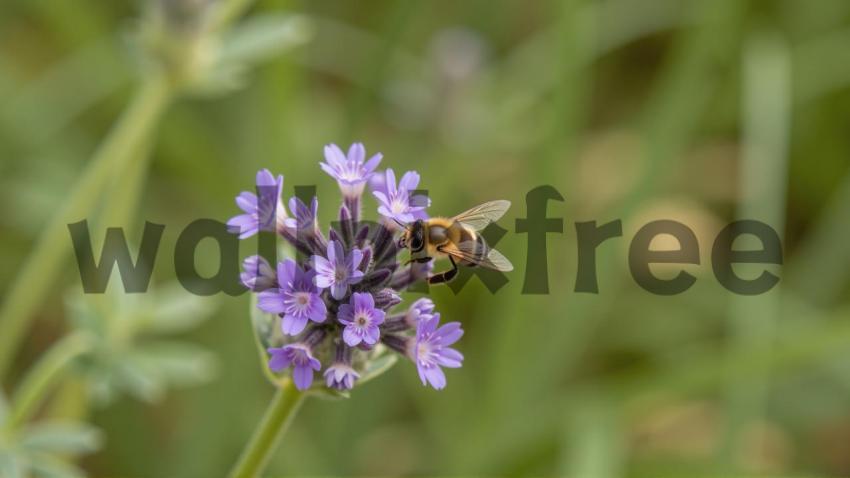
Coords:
pixel 458 239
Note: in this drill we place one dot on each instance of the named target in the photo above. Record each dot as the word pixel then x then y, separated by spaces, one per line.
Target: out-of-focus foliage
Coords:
pixel 133 354
pixel 42 449
pixel 632 109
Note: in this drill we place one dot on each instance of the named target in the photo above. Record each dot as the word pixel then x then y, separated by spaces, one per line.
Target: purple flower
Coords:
pixel 305 218
pixel 339 270
pixel 420 310
pixel 350 172
pixel 341 376
pixel 297 298
pixel 263 213
pixel 257 274
pixel 361 320
pixel 300 357
pixel 396 202
pixel 431 350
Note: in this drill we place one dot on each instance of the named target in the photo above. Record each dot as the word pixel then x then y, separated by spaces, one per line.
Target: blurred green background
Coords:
pixel 701 112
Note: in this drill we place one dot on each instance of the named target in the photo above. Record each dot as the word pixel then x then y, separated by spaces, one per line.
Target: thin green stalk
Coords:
pixel 34 387
pixel 752 320
pixel 112 157
pixel 276 420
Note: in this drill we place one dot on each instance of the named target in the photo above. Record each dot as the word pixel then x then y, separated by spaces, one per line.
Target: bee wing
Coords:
pixel 480 216
pixel 470 251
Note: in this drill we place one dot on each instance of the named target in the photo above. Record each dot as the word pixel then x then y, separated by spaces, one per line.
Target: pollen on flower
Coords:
pixel 335 301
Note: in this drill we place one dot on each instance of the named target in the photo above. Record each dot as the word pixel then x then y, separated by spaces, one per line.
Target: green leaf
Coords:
pixel 4 408
pixel 263 37
pixel 140 379
pixel 377 366
pixel 264 327
pixel 58 437
pixel 319 390
pixel 178 363
pixel 83 315
pixel 11 466
pixel 252 42
pixel 47 466
pixel 175 310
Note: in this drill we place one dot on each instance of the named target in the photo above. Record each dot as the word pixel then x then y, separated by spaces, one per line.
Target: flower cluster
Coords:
pixel 337 300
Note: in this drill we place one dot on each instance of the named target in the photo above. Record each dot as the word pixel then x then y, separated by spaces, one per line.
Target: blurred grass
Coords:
pixel 522 96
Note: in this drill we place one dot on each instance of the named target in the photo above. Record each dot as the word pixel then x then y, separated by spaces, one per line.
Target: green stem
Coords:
pixel 278 416
pixel 112 158
pixel 43 375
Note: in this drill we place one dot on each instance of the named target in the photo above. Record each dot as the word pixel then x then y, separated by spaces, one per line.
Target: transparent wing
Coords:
pixel 478 217
pixel 471 251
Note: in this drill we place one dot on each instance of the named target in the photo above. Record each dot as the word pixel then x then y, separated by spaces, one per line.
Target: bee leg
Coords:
pixel 446 276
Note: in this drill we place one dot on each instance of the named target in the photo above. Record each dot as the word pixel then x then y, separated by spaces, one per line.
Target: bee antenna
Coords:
pixel 403 225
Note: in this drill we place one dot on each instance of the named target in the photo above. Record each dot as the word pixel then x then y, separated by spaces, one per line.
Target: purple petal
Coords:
pixel 303 377
pixel 271 301
pixel 355 277
pixel 378 316
pixel 362 301
pixel 266 178
pixel 354 259
pixel 350 336
pixel 292 325
pixel 286 273
pixel 338 290
pixel 345 314
pixel 334 156
pixel 247 202
pixel 356 153
pixel 336 253
pixel 373 163
pixel 373 334
pixel 279 360
pixel 450 358
pixel 317 311
pixel 322 266
pixel 449 333
pixel 244 224
pixel 315 364
pixel 382 198
pixel 436 377
pixel 323 281
pixel 409 181
pixel 391 188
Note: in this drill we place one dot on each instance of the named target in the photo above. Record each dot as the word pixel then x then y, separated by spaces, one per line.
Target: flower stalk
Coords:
pixel 279 414
pixel 33 390
pixel 113 156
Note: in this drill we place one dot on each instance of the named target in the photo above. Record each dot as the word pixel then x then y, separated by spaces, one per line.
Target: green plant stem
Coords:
pixel 34 387
pixel 766 113
pixel 112 158
pixel 276 420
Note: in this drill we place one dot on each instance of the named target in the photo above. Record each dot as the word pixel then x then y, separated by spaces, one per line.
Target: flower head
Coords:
pixel 305 218
pixel 263 212
pixel 300 357
pixel 339 270
pixel 361 320
pixel 350 171
pixel 420 310
pixel 342 289
pixel 398 202
pixel 257 274
pixel 297 298
pixel 341 376
pixel 431 350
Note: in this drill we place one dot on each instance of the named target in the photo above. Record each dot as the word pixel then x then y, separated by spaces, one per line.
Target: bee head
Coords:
pixel 416 236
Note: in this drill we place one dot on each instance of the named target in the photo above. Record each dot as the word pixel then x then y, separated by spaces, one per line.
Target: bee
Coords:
pixel 456 238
